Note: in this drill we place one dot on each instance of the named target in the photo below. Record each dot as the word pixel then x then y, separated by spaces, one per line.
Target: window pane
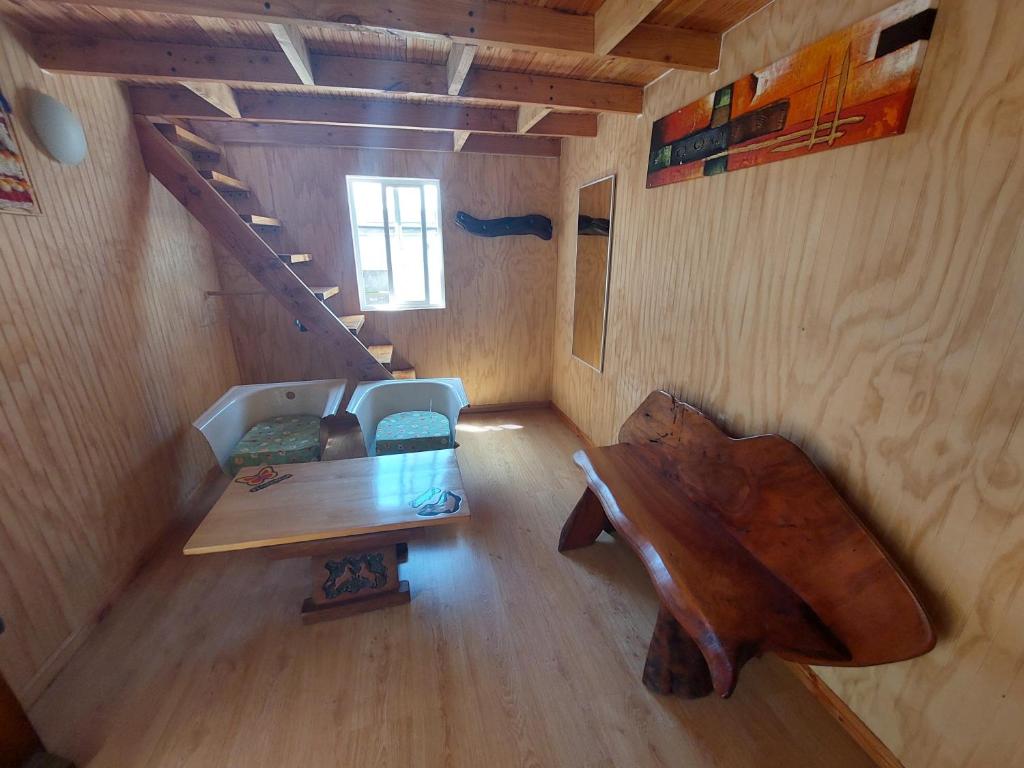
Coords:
pixel 407 265
pixel 373 253
pixel 435 266
pixel 366 202
pixel 375 288
pixel 409 205
pixel 430 193
pixel 406 245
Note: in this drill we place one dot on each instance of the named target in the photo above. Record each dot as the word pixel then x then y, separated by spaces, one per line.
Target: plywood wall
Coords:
pixel 867 303
pixel 496 330
pixel 108 351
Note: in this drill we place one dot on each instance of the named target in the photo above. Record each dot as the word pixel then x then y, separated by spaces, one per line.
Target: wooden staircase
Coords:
pixel 261 222
pixel 224 183
pixel 194 171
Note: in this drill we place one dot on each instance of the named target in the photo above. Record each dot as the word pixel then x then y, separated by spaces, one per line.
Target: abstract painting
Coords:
pixel 16 192
pixel 855 85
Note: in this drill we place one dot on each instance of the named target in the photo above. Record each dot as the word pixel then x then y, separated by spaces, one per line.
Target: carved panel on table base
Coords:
pixel 351 575
pixel 351 582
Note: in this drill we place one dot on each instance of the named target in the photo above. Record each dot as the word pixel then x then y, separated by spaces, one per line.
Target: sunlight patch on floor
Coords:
pixel 486 428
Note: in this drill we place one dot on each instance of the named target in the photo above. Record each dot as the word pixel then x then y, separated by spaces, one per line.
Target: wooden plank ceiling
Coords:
pixel 538 68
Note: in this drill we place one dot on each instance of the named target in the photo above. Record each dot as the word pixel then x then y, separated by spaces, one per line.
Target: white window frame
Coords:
pixel 386 182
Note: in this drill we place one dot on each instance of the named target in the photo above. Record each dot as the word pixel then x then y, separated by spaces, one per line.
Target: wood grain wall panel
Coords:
pixel 866 303
pixel 108 352
pixel 496 330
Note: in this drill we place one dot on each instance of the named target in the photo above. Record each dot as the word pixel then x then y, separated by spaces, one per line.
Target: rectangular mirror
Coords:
pixel 593 267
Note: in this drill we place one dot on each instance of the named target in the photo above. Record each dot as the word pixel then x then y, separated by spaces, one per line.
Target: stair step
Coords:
pixel 224 183
pixel 295 258
pixel 258 220
pixel 324 292
pixel 405 373
pixel 382 352
pixel 187 140
pixel 353 322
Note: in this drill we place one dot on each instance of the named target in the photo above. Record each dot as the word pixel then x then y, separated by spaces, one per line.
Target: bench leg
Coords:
pixel 584 524
pixel 674 662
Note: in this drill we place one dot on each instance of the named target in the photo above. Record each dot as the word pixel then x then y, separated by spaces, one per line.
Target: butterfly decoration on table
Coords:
pixel 264 478
pixel 264 474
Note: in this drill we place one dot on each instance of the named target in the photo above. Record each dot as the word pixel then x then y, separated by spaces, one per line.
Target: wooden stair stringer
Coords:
pixel 261 261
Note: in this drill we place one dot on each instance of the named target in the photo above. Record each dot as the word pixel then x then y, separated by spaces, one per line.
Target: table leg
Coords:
pixel 585 523
pixel 674 662
pixel 350 582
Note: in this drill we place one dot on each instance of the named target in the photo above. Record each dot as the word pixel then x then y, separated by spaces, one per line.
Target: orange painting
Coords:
pixel 855 85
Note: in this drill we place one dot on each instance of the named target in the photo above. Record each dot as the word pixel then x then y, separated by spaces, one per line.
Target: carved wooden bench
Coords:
pixel 750 549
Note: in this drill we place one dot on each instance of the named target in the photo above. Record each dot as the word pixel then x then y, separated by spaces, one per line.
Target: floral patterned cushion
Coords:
pixel 413 431
pixel 280 440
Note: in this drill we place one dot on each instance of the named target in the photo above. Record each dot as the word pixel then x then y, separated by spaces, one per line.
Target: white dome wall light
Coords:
pixel 57 128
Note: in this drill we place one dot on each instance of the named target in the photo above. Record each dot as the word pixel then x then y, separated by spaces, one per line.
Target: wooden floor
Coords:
pixel 509 654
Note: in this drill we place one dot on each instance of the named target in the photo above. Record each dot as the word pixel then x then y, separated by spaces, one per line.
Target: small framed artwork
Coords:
pixel 16 192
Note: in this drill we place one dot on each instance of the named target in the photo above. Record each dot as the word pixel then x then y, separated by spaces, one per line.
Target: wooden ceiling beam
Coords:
pixel 528 117
pixel 460 59
pixel 553 91
pixel 164 61
pixel 474 21
pixel 298 108
pixel 566 124
pixel 238 132
pixel 234 132
pixel 381 75
pixel 617 18
pixel 293 46
pixel 175 103
pixel 178 61
pixel 495 144
pixel 676 48
pixel 217 95
pixel 478 22
pixel 175 62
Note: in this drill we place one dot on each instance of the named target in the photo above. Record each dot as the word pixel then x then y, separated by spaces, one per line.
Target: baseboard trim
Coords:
pixel 50 668
pixel 840 710
pixel 583 436
pixel 829 699
pixel 496 407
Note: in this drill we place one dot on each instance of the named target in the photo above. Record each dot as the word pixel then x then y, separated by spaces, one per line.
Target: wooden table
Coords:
pixel 351 518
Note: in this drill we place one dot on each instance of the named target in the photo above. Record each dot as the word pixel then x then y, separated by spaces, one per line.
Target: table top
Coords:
pixel 291 503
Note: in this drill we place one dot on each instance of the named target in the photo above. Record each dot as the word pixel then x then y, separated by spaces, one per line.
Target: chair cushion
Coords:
pixel 280 440
pixel 413 431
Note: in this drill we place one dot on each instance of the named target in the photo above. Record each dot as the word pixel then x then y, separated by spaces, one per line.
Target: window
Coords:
pixel 396 236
